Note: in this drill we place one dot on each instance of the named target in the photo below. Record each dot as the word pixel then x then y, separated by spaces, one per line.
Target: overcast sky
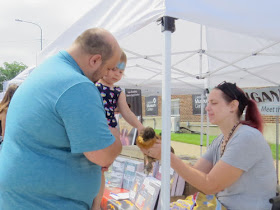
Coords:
pixel 21 41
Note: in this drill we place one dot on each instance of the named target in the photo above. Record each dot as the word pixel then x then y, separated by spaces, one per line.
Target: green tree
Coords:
pixel 9 71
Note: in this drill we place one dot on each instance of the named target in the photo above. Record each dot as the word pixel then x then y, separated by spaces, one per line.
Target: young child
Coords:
pixel 114 97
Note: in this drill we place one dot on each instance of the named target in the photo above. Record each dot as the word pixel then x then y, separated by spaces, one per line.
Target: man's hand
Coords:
pixel 103 169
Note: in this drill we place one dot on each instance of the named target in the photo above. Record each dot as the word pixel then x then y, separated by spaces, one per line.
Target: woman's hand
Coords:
pixel 154 151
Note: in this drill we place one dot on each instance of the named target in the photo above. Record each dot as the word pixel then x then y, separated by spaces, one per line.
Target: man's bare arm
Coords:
pixel 105 157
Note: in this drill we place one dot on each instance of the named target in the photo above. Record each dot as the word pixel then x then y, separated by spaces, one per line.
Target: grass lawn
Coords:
pixel 195 139
pixel 273 149
pixel 189 138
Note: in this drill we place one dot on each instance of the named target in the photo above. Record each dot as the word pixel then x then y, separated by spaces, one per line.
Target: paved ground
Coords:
pixel 187 149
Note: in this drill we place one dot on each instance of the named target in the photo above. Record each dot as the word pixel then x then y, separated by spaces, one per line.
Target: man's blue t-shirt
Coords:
pixel 55 116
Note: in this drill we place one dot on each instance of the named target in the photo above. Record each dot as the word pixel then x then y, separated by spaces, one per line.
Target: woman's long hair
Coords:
pixel 253 116
pixel 4 104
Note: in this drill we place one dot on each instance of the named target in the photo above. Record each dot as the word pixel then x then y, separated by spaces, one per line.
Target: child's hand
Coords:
pixel 140 129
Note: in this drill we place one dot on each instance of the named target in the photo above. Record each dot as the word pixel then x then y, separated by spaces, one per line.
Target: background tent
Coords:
pixel 16 80
pixel 19 78
pixel 187 61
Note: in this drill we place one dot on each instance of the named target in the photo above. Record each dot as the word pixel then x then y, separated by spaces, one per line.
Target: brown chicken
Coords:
pixel 146 140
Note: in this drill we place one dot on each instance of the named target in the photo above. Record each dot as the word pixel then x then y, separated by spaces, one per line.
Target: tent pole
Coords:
pixel 207 117
pixel 168 26
pixel 277 148
pixel 202 95
pixel 207 141
pixel 201 121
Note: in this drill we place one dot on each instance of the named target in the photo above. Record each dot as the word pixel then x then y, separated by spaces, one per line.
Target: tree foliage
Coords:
pixel 9 71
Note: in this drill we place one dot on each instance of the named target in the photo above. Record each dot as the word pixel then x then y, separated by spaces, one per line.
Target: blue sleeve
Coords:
pixel 82 112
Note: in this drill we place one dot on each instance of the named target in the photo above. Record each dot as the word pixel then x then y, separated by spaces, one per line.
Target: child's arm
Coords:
pixel 127 114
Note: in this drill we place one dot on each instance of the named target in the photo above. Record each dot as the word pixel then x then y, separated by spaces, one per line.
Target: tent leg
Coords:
pixel 202 95
pixel 277 148
pixel 207 80
pixel 167 27
pixel 201 121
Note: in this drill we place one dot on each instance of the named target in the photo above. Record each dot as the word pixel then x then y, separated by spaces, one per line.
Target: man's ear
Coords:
pixel 95 61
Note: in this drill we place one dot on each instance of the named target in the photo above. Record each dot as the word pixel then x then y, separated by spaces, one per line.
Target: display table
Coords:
pixel 133 152
pixel 108 202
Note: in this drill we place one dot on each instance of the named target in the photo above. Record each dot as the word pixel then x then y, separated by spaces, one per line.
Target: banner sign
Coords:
pixel 196 104
pixel 134 99
pixel 267 99
pixel 151 105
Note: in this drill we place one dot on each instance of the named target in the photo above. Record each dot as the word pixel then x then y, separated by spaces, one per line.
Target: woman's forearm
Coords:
pixel 196 178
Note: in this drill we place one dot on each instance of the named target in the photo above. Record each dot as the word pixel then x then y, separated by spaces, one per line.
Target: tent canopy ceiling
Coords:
pixel 236 46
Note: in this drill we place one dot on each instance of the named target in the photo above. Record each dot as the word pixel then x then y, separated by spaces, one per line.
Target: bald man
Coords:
pixel 57 137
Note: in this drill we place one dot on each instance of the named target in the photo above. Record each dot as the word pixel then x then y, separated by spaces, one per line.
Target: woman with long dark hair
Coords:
pixel 238 166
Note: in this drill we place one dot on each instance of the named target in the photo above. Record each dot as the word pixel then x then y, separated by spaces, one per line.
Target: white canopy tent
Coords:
pixel 217 40
pixel 225 55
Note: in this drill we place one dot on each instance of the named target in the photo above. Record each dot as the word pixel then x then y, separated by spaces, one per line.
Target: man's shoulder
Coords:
pixel 58 70
pixel 55 78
